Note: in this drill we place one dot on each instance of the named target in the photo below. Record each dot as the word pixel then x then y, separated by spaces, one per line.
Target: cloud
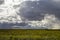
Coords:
pixel 56 0
pixel 49 22
pixel 33 10
pixel 43 14
pixel 1 2
pixel 8 13
pixel 30 10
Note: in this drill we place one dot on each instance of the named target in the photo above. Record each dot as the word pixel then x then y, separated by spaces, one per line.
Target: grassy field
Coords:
pixel 20 34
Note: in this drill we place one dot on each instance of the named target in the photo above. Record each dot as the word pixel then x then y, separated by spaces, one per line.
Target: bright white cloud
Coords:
pixel 8 12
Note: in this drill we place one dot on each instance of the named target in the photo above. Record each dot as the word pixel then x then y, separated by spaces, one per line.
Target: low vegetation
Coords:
pixel 24 34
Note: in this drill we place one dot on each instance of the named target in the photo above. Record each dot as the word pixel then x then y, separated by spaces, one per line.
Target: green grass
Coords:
pixel 29 34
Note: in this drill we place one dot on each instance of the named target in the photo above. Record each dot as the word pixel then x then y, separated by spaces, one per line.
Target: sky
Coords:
pixel 30 14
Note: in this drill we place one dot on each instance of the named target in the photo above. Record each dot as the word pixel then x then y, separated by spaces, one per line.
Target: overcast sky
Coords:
pixel 36 13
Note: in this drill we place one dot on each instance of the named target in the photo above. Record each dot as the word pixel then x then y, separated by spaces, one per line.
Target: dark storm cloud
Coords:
pixel 34 10
pixel 1 2
pixel 6 25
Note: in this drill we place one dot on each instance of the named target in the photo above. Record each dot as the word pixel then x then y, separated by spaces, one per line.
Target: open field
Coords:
pixel 25 34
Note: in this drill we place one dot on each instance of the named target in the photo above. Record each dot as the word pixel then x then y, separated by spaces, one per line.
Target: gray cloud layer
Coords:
pixel 34 10
pixel 1 2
